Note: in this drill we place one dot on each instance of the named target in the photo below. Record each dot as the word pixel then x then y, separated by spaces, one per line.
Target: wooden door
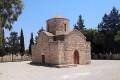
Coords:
pixel 76 57
pixel 43 58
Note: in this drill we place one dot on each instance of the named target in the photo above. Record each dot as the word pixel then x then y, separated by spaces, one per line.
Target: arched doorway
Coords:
pixel 76 57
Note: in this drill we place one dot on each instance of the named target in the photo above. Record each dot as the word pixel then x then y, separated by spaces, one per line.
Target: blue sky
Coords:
pixel 36 12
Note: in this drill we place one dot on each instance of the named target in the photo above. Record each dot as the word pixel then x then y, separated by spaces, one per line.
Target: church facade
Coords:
pixel 58 45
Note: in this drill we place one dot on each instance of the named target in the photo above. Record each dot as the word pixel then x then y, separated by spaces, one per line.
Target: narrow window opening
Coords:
pixel 48 28
pixel 65 26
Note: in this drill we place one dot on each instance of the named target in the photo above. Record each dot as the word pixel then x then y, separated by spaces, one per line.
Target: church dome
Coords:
pixel 58 16
pixel 58 25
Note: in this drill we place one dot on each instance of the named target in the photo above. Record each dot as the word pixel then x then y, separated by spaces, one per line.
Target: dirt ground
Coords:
pixel 97 70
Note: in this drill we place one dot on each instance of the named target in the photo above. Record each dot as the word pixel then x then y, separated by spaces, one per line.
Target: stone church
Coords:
pixel 58 45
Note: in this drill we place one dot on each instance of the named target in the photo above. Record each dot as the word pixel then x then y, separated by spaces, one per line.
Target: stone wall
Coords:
pixel 106 56
pixel 46 47
pixel 61 51
pixel 41 48
pixel 52 57
pixel 77 41
pixel 88 57
pixel 68 47
pixel 8 58
pixel 58 26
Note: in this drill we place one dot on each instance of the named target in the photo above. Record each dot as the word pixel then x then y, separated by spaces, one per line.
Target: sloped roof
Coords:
pixel 73 31
pixel 48 33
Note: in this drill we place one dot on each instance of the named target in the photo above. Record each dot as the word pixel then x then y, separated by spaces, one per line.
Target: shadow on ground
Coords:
pixel 40 64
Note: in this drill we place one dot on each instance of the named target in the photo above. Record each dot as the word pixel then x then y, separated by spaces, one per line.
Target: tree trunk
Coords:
pixel 12 58
pixel 21 57
pixel 2 59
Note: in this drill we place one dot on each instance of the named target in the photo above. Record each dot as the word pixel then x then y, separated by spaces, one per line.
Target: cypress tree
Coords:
pixel 22 46
pixel 31 43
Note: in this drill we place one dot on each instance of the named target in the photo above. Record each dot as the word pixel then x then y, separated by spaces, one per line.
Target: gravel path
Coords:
pixel 97 70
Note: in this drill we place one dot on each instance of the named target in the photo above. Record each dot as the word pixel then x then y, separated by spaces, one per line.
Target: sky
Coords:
pixel 36 12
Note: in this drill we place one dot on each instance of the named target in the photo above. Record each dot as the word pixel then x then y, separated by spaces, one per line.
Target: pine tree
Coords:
pixel 109 27
pixel 22 47
pixel 75 26
pixel 40 30
pixel 31 43
pixel 80 24
pixel 13 43
pixel 110 21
